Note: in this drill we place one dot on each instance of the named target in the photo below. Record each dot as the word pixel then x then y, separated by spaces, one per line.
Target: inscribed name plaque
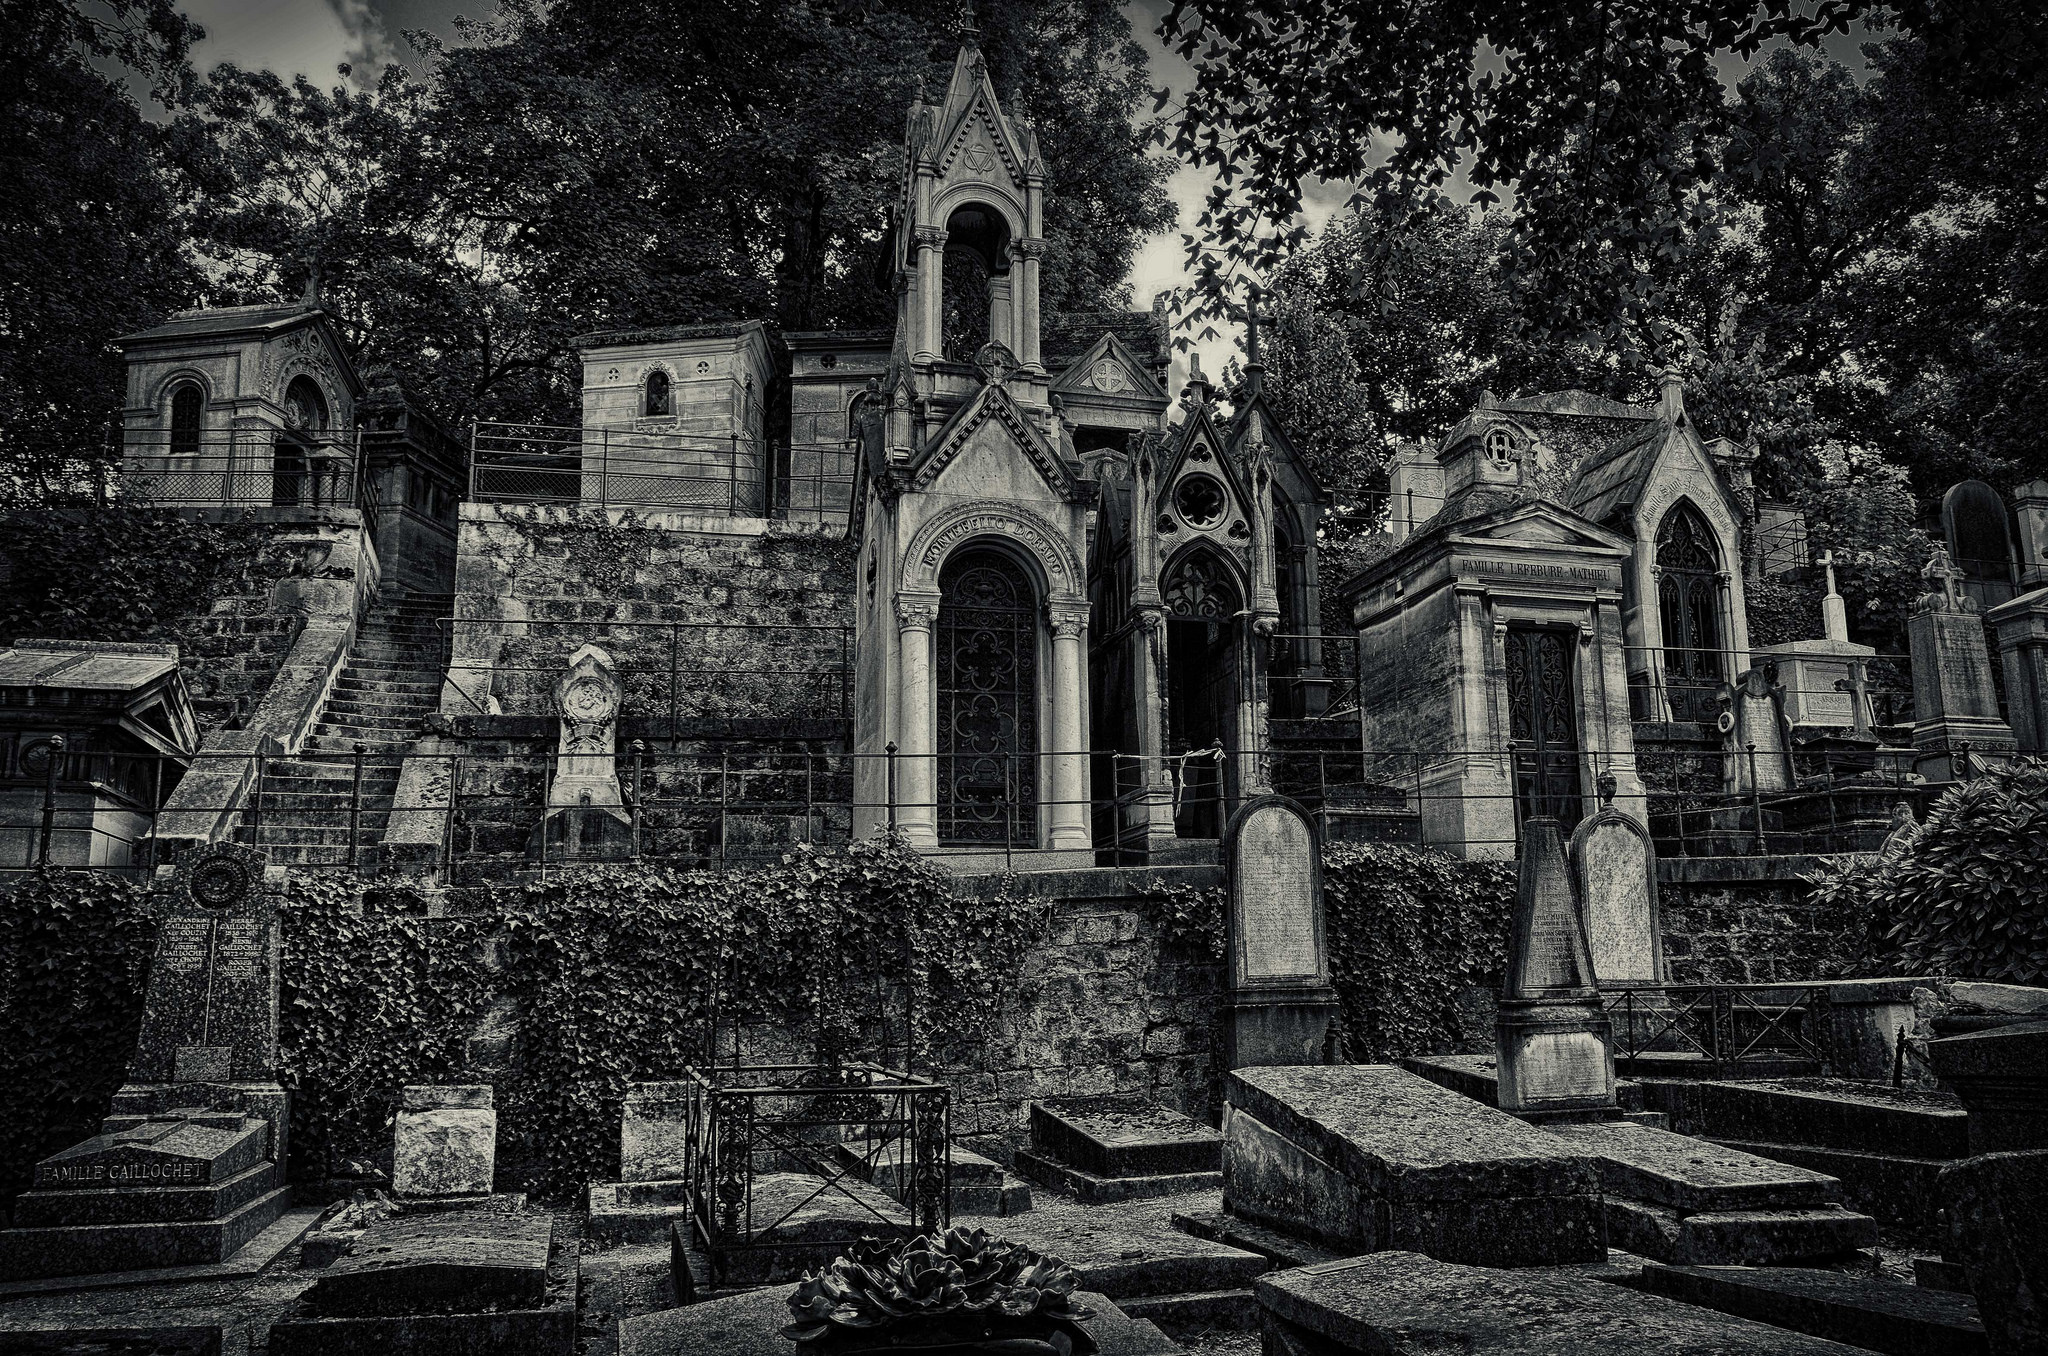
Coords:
pixel 1616 867
pixel 210 1014
pixel 1280 1003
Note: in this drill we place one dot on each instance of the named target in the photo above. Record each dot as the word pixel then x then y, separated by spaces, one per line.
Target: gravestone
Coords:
pixel 1997 1216
pixel 1978 533
pixel 188 1165
pixel 444 1141
pixel 1816 675
pixel 1615 865
pixel 586 817
pixel 1752 725
pixel 2000 1075
pixel 1280 1008
pixel 1554 1044
pixel 1954 701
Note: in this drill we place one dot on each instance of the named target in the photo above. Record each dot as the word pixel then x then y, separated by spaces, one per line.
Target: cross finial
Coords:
pixel 966 28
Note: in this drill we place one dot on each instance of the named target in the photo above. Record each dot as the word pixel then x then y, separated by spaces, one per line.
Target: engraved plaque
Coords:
pixel 1275 899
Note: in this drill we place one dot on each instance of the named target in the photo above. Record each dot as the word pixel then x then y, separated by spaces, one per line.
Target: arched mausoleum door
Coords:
pixel 1202 636
pixel 1689 607
pixel 987 681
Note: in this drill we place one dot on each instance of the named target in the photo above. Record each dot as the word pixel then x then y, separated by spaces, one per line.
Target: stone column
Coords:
pixel 1069 816
pixel 916 769
pixel 931 265
pixel 1001 323
pixel 1029 252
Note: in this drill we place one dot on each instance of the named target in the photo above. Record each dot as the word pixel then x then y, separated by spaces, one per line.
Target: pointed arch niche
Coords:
pixel 1692 613
pixel 1204 635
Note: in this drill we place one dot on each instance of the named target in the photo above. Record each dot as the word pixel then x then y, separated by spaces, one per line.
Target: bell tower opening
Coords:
pixel 975 308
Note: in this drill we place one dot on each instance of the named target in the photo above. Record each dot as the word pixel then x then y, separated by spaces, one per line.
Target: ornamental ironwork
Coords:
pixel 987 651
pixel 1543 726
pixel 1199 586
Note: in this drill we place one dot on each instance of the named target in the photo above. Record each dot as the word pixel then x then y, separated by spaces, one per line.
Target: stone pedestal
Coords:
pixel 2001 1076
pixel 1816 676
pixel 1280 1007
pixel 188 1166
pixel 1954 702
pixel 1555 1050
pixel 445 1142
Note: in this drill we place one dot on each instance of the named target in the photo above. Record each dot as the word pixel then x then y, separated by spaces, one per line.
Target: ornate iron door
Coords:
pixel 1543 724
pixel 988 702
pixel 1689 604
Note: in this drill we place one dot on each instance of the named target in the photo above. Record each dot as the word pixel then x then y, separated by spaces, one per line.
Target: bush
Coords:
pixel 111 571
pixel 1410 930
pixel 1969 897
pixel 74 946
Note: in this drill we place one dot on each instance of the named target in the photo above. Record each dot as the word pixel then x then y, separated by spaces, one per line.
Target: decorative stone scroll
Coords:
pixel 1281 1006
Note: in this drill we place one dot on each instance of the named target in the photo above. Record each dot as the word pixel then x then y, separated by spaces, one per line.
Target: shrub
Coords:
pixel 111 571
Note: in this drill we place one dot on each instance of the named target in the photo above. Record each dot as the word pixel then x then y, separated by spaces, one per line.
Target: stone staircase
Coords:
pixel 383 697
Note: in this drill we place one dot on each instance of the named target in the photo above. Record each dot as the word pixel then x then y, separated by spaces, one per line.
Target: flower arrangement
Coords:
pixel 962 1288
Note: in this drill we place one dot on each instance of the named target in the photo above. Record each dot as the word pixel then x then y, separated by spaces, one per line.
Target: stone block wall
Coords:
pixel 747 616
pixel 1742 933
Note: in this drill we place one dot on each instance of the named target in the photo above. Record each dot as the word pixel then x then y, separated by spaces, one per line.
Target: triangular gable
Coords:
pixel 1197 428
pixel 970 104
pixel 1539 520
pixel 1080 375
pixel 1276 437
pixel 993 404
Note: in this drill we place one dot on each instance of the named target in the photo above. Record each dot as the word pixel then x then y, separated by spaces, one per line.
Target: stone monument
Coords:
pixel 1280 1006
pixel 1954 701
pixel 1752 724
pixel 586 817
pixel 2022 629
pixel 444 1142
pixel 189 1164
pixel 1554 1047
pixel 1814 671
pixel 1615 866
pixel 1978 532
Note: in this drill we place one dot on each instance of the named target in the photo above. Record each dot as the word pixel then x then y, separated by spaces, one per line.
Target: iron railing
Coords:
pixel 244 468
pixel 1724 1024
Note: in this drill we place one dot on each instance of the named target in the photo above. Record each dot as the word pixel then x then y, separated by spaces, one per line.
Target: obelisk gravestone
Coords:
pixel 1280 1006
pixel 1555 1051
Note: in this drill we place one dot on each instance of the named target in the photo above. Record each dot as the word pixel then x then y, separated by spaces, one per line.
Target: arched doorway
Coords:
pixel 1689 605
pixel 987 681
pixel 296 464
pixel 1202 625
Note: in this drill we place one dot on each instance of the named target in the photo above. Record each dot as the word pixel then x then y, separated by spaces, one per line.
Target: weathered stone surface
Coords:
pixel 1121 1137
pixel 1369 1157
pixel 652 1132
pixel 808 1221
pixel 1616 868
pixel 86 1249
pixel 1998 1229
pixel 1478 1077
pixel 446 1097
pixel 161 1153
pixel 1134 1252
pixel 749 1325
pixel 463 1262
pixel 1403 1304
pixel 1692 1174
pixel 1888 1187
pixel 1094 1190
pixel 2001 1076
pixel 210 1011
pixel 1552 1043
pixel 444 1151
pixel 1735 1237
pixel 144 1205
pixel 2014 998
pixel 1824 1113
pixel 1864 1311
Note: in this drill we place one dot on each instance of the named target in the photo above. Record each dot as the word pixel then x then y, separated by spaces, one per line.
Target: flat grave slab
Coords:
pixel 1115 1137
pixel 459 1283
pixel 1826 1113
pixel 750 1325
pixel 1128 1258
pixel 1405 1304
pixel 1998 1230
pixel 1736 1237
pixel 1864 1311
pixel 251 1258
pixel 1690 1174
pixel 1369 1157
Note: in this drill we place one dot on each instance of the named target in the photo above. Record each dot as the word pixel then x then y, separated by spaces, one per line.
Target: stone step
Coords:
pixel 1735 1237
pixel 1197 1311
pixel 1093 1190
pixel 1893 1188
pixel 1123 1137
pixel 1280 1250
pixel 1861 1117
pixel 1135 1255
pixel 1863 1311
pixel 78 1250
pixel 1690 1175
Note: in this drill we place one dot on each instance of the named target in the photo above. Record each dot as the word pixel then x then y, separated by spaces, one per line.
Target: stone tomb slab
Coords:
pixel 1116 1137
pixel 1368 1157
pixel 1997 1208
pixel 750 1325
pixel 161 1153
pixel 1406 1304
pixel 1864 1311
pixel 1690 1174
pixel 455 1283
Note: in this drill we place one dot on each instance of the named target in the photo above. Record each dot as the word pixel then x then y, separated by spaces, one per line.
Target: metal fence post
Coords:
pixel 448 820
pixel 1756 799
pixel 889 752
pixel 639 765
pixel 355 806
pixel 56 747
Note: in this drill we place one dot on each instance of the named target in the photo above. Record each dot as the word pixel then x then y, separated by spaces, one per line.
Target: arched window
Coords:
pixel 305 405
pixel 987 684
pixel 186 403
pixel 1689 604
pixel 660 396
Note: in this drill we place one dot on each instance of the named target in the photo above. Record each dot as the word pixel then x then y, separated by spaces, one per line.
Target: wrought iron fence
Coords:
pixel 849 1126
pixel 244 468
pixel 1725 1024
